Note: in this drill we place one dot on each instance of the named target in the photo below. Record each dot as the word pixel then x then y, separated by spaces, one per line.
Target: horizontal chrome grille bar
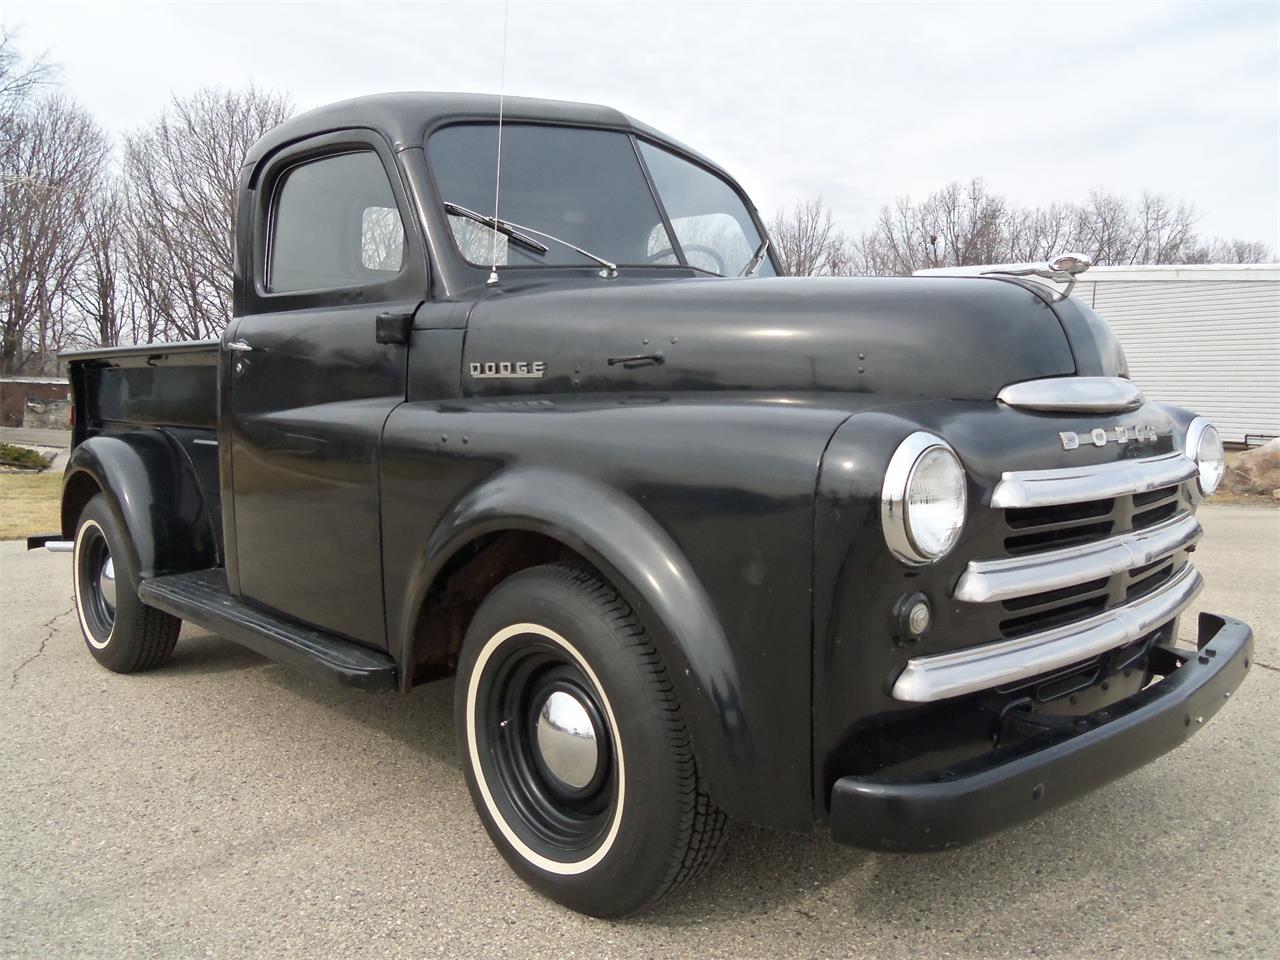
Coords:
pixel 926 679
pixel 1073 394
pixel 1047 488
pixel 985 581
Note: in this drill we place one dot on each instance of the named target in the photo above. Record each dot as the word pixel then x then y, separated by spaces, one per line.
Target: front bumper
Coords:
pixel 958 805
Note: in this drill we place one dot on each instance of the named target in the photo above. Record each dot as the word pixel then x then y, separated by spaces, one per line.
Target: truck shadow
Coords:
pixel 806 878
pixel 422 720
pixel 1069 862
pixel 198 652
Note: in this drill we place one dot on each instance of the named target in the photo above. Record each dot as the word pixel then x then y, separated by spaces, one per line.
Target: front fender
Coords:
pixel 153 491
pixel 643 563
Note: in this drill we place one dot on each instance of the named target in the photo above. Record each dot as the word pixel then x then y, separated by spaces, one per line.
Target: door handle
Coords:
pixel 237 346
pixel 640 360
pixel 393 327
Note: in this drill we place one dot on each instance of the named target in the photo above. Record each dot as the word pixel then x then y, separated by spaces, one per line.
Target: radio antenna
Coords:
pixel 497 178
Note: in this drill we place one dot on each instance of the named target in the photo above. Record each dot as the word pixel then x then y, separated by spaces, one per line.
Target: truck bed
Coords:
pixel 154 384
pixel 160 395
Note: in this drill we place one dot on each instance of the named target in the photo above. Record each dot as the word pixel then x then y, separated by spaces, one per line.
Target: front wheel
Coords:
pixel 122 633
pixel 576 754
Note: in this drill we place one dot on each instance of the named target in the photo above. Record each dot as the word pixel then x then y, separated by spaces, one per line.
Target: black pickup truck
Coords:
pixel 898 558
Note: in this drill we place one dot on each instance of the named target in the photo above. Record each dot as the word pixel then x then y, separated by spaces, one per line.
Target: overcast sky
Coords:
pixel 859 103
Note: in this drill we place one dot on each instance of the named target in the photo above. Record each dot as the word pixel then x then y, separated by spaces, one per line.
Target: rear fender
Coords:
pixel 152 488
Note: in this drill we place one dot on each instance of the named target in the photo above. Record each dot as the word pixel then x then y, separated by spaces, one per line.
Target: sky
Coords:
pixel 859 103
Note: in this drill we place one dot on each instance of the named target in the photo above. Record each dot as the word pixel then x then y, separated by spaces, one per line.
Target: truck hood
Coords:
pixel 936 337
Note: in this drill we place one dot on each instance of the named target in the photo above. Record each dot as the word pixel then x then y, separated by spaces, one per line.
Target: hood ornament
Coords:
pixel 1064 268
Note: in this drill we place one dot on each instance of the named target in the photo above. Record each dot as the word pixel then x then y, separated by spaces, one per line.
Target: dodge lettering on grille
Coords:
pixel 1100 437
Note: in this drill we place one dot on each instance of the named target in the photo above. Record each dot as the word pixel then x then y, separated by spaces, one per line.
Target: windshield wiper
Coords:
pixel 500 226
pixel 757 258
pixel 519 234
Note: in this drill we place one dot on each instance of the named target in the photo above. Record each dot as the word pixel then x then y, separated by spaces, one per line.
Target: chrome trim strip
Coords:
pixel 938 677
pixel 986 581
pixel 1073 394
pixel 60 546
pixel 1044 488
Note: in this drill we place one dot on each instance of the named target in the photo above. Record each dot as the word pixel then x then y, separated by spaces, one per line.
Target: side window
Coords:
pixel 708 217
pixel 334 223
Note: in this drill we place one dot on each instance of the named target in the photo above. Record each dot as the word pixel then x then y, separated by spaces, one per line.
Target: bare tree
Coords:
pixel 1162 231
pixel 1233 251
pixel 968 225
pixel 1038 233
pixel 956 225
pixel 53 160
pixel 103 299
pixel 19 81
pixel 86 259
pixel 806 241
pixel 182 174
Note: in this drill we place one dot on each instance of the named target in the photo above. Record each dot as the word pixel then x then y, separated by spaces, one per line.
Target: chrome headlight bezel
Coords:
pixel 895 498
pixel 1208 477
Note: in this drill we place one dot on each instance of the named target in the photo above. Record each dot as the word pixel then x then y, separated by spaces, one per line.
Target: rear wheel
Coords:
pixel 122 633
pixel 576 753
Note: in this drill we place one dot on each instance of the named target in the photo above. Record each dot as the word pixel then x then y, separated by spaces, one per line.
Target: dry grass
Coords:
pixel 29 503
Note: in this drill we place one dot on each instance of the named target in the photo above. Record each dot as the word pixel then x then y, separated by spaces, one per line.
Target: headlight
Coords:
pixel 922 503
pixel 1204 444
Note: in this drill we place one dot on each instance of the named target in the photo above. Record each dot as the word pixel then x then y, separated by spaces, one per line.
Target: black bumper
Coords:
pixel 951 807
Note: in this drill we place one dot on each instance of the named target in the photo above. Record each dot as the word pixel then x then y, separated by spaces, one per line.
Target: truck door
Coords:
pixel 307 386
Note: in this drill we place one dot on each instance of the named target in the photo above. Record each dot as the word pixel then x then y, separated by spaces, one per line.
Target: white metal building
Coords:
pixel 1204 337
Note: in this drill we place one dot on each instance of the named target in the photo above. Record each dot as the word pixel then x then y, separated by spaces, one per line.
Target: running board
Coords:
pixel 202 598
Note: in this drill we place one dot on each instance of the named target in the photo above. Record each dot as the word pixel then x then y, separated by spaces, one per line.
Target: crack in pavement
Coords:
pixel 48 626
pixel 1266 666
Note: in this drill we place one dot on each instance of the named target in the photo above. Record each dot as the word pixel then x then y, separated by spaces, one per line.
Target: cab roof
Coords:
pixel 406 119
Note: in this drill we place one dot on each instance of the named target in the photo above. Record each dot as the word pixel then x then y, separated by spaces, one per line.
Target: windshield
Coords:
pixel 587 187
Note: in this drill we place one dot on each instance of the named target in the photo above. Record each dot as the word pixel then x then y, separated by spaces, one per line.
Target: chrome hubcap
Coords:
pixel 107 584
pixel 567 739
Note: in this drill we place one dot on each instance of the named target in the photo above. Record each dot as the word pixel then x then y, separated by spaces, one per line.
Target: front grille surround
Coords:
pixel 1084 549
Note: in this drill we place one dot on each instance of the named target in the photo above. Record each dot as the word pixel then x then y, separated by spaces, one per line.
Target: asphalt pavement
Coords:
pixel 223 806
pixel 36 438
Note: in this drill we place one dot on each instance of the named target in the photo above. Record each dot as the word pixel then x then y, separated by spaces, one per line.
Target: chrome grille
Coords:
pixel 1092 553
pixel 1094 560
pixel 1155 507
